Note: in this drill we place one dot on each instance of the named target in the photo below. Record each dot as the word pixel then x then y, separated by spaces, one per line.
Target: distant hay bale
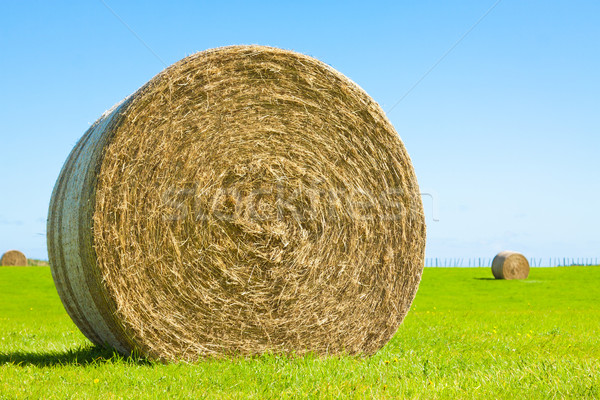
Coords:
pixel 246 200
pixel 510 265
pixel 13 258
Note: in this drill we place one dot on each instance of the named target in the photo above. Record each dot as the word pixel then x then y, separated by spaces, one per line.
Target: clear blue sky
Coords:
pixel 504 132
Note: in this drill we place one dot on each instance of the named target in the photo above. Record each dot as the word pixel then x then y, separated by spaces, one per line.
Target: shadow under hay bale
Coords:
pixel 13 258
pixel 510 265
pixel 246 200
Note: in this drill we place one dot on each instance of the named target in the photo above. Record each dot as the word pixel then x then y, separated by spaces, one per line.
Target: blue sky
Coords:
pixel 504 132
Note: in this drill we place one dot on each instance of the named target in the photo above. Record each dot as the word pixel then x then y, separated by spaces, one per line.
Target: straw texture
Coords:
pixel 510 265
pixel 13 257
pixel 246 200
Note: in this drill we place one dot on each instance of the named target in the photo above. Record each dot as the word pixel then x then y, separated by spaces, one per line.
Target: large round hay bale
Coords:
pixel 246 200
pixel 510 265
pixel 13 258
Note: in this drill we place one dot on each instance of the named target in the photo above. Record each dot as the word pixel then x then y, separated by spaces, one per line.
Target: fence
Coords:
pixel 534 262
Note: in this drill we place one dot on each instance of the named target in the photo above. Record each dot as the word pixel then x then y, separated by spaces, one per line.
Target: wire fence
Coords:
pixel 534 262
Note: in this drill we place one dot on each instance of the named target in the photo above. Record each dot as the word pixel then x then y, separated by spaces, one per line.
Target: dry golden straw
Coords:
pixel 246 200
pixel 13 258
pixel 510 265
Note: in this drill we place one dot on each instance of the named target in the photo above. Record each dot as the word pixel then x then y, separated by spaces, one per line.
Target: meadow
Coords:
pixel 466 336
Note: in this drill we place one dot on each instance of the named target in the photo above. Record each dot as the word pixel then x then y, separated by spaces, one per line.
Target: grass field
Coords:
pixel 467 336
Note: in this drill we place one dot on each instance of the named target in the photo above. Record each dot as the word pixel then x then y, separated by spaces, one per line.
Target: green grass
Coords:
pixel 467 336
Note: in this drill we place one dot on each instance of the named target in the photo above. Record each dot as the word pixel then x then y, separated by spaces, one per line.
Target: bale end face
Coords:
pixel 510 265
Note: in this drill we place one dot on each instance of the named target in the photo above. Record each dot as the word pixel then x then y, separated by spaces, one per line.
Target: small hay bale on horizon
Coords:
pixel 246 200
pixel 13 258
pixel 510 265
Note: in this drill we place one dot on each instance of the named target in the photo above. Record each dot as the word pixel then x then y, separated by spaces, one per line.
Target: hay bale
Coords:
pixel 13 258
pixel 510 265
pixel 246 200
